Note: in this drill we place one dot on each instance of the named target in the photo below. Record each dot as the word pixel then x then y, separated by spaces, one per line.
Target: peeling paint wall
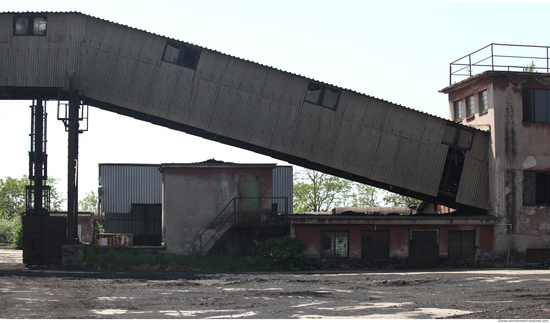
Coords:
pixel 194 194
pixel 516 146
pixel 309 230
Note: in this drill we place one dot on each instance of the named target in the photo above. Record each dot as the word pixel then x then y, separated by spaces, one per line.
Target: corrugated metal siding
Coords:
pixel 236 99
pixel 282 186
pixel 40 61
pixel 127 184
pixel 474 182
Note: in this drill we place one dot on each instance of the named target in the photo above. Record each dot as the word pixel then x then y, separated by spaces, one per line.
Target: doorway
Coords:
pixel 249 199
pixel 424 248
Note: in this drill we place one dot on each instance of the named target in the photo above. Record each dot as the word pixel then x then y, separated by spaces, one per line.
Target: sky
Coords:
pixel 398 51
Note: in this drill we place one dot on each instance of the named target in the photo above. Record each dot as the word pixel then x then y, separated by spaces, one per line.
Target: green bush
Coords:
pixel 98 227
pixel 18 238
pixel 8 229
pixel 284 253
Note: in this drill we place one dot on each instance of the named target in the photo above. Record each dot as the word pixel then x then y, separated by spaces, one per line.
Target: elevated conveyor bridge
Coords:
pixel 230 100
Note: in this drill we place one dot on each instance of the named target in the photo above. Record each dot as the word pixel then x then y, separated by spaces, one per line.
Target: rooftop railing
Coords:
pixel 501 57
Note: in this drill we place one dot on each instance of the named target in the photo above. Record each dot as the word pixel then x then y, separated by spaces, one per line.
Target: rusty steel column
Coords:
pixel 72 168
pixel 38 177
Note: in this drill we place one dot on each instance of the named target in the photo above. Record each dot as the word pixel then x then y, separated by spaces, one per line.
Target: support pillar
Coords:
pixel 43 235
pixel 72 168
pixel 38 193
pixel 38 176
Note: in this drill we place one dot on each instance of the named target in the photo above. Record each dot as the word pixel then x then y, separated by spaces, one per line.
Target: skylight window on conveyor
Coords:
pixel 29 25
pixel 181 54
pixel 322 95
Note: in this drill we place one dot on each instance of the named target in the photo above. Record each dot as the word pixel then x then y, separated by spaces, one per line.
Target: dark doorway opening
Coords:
pixel 424 248
pixel 375 244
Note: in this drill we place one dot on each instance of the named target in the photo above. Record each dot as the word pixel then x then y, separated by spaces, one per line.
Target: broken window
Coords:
pixel 462 244
pixel 452 172
pixel 535 105
pixel 29 25
pixel 322 95
pixel 457 107
pixel 459 139
pixel 536 190
pixel 482 97
pixel 334 244
pixel 181 54
pixel 470 106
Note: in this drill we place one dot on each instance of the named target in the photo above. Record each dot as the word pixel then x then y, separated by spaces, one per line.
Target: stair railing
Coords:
pixel 216 221
pixel 279 205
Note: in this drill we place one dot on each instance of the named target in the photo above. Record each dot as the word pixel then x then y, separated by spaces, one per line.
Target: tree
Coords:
pixel 89 202
pixel 315 191
pixel 318 192
pixel 366 196
pixel 393 199
pixel 55 197
pixel 13 195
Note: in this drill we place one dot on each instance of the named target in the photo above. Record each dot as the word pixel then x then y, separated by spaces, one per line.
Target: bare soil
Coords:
pixel 61 293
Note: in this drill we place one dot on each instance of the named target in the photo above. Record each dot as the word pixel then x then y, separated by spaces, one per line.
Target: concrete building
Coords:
pixel 394 234
pixel 203 204
pixel 131 200
pixel 513 107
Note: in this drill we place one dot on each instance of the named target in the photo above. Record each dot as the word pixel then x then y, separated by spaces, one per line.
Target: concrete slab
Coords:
pixel 11 256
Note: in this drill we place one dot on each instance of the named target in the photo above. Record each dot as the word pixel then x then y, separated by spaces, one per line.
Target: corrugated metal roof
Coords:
pixel 214 51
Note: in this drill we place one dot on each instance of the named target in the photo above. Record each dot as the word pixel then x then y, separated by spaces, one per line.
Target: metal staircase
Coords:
pixel 232 215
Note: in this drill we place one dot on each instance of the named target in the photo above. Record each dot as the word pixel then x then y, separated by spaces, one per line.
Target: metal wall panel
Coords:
pixel 474 182
pixel 285 123
pixel 6 33
pixel 127 184
pixel 242 103
pixel 282 186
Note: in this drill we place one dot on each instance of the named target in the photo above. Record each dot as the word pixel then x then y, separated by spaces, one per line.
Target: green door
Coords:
pixel 249 199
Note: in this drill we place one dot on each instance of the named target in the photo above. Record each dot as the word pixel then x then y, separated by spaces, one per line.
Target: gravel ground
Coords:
pixel 60 293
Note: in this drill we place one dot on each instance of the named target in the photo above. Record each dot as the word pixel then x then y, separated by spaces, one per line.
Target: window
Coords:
pixel 535 188
pixel 457 107
pixel 482 97
pixel 535 105
pixel 181 54
pixel 470 106
pixel 457 136
pixel 334 244
pixel 322 95
pixel 462 244
pixel 29 25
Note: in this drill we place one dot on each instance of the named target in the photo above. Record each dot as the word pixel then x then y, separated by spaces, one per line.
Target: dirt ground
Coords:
pixel 56 293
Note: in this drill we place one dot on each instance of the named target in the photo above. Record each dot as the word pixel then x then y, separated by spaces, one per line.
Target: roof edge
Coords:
pixel 472 79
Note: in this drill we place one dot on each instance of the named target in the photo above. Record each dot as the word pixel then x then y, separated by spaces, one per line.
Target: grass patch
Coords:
pixel 281 253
